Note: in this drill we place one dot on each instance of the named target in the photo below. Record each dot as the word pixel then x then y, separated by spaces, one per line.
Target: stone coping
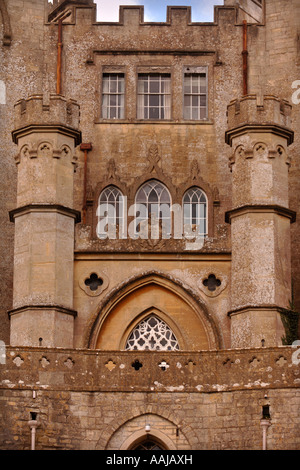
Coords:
pixel 84 370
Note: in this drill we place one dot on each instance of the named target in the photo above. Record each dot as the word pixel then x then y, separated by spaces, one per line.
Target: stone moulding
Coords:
pixel 268 128
pixel 76 215
pixel 239 310
pixel 249 209
pixel 47 128
pixel 38 308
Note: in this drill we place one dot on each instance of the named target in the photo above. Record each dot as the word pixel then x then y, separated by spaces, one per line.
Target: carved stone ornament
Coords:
pixel 93 282
pixel 213 283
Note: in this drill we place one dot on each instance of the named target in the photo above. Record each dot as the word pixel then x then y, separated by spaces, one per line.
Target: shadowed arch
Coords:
pixel 129 415
pixel 151 280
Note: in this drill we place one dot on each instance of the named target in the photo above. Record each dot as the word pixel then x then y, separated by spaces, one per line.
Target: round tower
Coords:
pixel 46 132
pixel 259 134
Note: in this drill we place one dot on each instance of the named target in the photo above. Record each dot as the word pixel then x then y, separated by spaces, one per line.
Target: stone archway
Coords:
pixel 148 427
pixel 178 307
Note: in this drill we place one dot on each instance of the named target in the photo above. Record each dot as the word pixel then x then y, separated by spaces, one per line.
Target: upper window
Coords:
pixel 113 96
pixel 110 213
pixel 195 212
pixel 195 95
pixel 154 96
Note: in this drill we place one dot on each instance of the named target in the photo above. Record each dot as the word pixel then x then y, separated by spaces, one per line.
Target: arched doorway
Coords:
pixel 147 432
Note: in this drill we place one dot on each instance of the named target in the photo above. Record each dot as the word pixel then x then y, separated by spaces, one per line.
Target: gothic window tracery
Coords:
pixel 110 212
pixel 152 334
pixel 155 199
pixel 195 211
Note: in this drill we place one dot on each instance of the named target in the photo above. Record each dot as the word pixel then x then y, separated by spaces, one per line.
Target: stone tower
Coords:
pixel 259 135
pixel 46 133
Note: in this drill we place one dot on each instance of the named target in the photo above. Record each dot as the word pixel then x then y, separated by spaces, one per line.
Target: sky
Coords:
pixel 156 10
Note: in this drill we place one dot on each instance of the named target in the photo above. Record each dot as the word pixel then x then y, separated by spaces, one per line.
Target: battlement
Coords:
pixel 130 14
pixel 39 110
pixel 253 111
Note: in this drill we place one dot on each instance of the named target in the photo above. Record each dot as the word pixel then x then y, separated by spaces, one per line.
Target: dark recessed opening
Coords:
pixel 137 365
pixel 266 412
pixel 212 282
pixel 93 282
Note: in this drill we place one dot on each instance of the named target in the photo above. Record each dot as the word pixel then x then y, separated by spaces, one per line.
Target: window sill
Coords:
pixel 149 121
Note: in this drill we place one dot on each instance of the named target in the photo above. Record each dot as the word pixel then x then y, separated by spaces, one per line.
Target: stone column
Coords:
pixel 46 133
pixel 259 133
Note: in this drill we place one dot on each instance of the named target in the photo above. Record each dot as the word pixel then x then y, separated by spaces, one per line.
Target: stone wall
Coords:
pixel 87 399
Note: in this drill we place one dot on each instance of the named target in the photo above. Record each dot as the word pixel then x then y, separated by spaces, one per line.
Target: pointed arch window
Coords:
pixel 195 212
pixel 153 202
pixel 110 213
pixel 152 334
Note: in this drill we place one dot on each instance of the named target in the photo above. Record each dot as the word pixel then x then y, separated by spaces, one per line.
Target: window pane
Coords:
pixel 195 101
pixel 153 113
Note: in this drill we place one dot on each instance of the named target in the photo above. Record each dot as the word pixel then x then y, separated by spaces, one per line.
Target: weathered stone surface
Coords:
pixel 210 397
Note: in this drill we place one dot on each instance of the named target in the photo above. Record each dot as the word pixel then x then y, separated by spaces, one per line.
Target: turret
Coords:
pixel 46 133
pixel 259 134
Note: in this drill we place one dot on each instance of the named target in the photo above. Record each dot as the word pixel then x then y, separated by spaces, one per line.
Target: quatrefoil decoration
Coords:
pixel 93 282
pixel 212 283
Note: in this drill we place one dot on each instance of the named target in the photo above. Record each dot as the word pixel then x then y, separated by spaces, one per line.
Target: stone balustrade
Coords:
pixel 129 371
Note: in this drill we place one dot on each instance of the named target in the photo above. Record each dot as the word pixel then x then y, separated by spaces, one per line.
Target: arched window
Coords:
pixel 153 202
pixel 152 334
pixel 110 213
pixel 195 212
pixel 148 444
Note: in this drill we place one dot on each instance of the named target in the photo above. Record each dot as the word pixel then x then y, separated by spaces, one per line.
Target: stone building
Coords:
pixel 150 247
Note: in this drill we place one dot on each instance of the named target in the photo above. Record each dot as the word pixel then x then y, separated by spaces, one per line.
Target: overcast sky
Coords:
pixel 155 10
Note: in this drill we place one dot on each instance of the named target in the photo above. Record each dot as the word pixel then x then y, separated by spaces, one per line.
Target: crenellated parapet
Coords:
pixel 253 113
pixel 41 112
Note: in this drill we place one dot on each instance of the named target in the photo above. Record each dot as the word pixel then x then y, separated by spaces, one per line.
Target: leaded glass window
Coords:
pixel 110 212
pixel 155 199
pixel 152 334
pixel 195 212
